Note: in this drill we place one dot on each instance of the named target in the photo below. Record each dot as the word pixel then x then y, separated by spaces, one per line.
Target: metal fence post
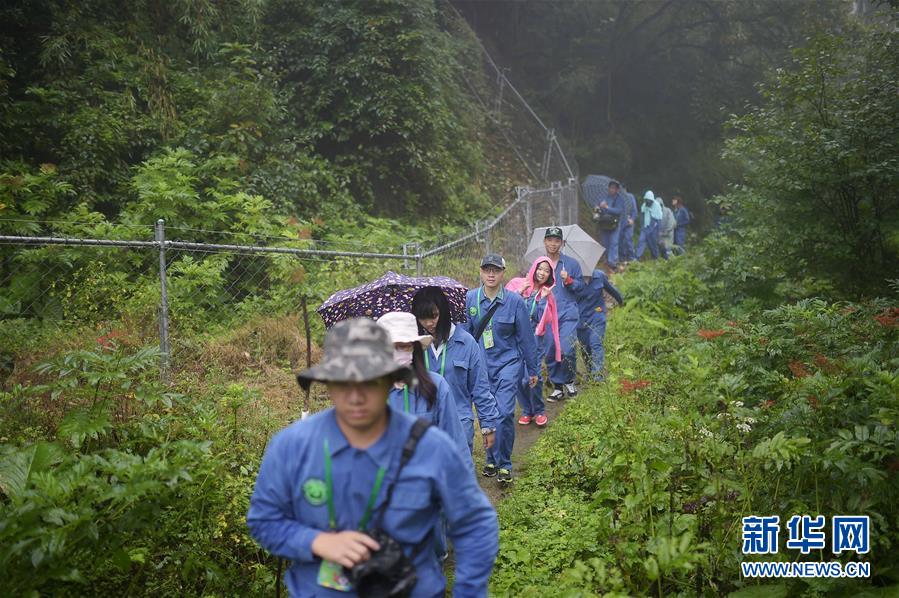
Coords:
pixel 163 305
pixel 419 261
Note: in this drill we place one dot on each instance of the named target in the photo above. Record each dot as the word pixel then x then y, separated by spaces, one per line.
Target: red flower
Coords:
pixel 710 334
pixel 889 317
pixel 733 324
pixel 629 386
pixel 798 368
pixel 768 404
pixel 108 340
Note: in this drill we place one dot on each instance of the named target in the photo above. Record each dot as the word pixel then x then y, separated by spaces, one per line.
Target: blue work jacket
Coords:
pixel 566 293
pixel 466 372
pixel 443 414
pixel 682 216
pixel 288 508
pixel 514 346
pixel 592 300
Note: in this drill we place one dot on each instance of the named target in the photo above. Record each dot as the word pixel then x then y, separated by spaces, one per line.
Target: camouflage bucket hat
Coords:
pixel 356 350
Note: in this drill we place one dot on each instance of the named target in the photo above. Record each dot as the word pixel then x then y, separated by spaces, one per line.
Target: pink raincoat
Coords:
pixel 551 313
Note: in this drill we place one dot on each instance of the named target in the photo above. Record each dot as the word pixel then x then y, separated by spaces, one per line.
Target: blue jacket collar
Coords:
pixel 380 452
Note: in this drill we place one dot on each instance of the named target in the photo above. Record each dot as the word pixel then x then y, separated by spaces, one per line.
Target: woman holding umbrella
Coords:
pixel 431 397
pixel 455 355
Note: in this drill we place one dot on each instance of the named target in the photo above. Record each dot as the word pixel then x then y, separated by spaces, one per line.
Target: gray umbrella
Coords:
pixel 578 244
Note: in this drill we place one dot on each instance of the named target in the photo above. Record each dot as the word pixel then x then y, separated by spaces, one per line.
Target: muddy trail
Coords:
pixel 525 437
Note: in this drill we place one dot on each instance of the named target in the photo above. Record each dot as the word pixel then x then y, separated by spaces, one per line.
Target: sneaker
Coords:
pixel 555 395
pixel 524 420
pixel 541 420
pixel 571 389
pixel 489 470
pixel 504 477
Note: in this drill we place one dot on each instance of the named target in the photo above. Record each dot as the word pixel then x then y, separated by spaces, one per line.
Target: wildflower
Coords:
pixel 744 427
pixel 629 386
pixel 705 432
pixel 799 370
pixel 736 404
pixel 767 404
pixel 109 340
pixel 888 318
pixel 710 334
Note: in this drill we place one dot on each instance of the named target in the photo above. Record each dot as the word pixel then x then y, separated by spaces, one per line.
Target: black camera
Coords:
pixel 388 573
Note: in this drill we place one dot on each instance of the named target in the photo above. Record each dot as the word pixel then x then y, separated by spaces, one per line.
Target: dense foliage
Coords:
pixel 710 414
pixel 320 109
pixel 823 152
pixel 642 90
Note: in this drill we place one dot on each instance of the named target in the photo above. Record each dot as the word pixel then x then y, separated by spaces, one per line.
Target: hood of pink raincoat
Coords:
pixel 529 284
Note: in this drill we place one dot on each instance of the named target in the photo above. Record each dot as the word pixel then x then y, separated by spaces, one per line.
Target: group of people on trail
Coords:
pixel 367 496
pixel 663 230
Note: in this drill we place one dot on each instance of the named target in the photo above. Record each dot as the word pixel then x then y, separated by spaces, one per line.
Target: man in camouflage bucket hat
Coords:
pixel 356 350
pixel 320 482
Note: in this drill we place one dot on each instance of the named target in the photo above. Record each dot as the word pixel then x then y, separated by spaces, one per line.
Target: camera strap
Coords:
pixel 418 430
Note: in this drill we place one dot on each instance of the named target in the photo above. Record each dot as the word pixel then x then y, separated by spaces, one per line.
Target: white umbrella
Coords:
pixel 578 244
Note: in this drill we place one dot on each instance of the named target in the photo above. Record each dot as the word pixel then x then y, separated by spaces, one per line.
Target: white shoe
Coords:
pixel 556 395
pixel 571 389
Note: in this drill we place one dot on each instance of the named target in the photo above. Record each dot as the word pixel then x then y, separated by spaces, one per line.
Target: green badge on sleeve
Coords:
pixel 315 491
pixel 472 311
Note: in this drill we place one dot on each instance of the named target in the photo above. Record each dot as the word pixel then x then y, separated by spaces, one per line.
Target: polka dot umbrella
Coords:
pixel 391 292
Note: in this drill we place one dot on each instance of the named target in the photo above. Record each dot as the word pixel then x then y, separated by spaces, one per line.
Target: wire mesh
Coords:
pixel 507 235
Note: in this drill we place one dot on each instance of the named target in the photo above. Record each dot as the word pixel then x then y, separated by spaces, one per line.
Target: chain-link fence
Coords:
pixel 155 287
pixel 537 146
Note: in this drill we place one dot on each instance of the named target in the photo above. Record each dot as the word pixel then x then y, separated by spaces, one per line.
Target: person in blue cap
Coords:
pixel 432 397
pixel 592 326
pixel 626 251
pixel 610 214
pixel 499 322
pixel 652 221
pixel 682 219
pixel 455 355
pixel 569 281
pixel 324 481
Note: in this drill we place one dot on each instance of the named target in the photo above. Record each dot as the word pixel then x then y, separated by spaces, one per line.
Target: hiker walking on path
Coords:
pixel 682 219
pixel 611 219
pixel 455 355
pixel 544 318
pixel 591 329
pixel 569 281
pixel 498 321
pixel 328 481
pixel 651 212
pixel 432 397
pixel 666 230
pixel 626 252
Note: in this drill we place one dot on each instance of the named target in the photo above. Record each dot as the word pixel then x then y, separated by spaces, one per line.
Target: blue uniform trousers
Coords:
pixel 680 236
pixel 649 237
pixel 531 399
pixel 626 243
pixel 506 390
pixel 562 372
pixel 609 240
pixel 590 337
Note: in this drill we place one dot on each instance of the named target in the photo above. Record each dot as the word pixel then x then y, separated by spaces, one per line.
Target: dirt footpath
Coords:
pixel 525 437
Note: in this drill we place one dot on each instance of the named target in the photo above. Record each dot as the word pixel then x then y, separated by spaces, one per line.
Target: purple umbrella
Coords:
pixel 391 292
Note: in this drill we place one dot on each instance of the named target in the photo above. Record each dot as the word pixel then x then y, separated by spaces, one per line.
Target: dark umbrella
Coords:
pixel 391 292
pixel 596 189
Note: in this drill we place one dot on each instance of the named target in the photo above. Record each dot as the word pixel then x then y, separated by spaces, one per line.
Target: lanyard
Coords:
pixel 490 323
pixel 332 514
pixel 442 358
pixel 534 302
pixel 405 399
